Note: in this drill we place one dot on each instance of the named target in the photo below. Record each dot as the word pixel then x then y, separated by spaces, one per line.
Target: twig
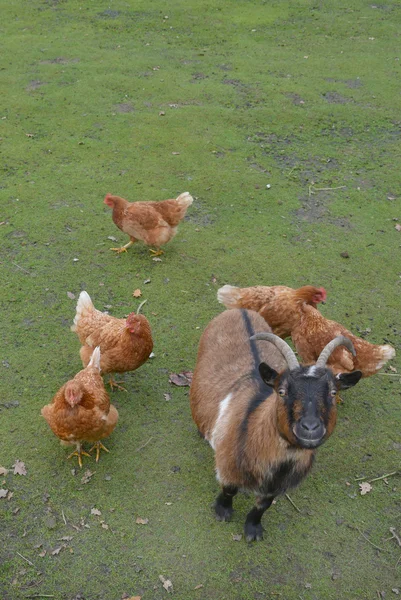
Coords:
pixel 64 519
pixel 143 445
pixel 376 478
pixel 368 540
pixel 140 306
pixel 292 502
pixel 22 269
pixel 389 374
pixel 28 561
pixel 395 536
pixel 312 191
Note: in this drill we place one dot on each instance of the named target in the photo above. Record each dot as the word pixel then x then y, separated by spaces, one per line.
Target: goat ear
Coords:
pixel 347 380
pixel 267 374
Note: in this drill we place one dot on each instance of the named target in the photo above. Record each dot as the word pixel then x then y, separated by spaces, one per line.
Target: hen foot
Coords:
pixel 157 252
pixel 116 384
pixel 79 453
pixel 99 446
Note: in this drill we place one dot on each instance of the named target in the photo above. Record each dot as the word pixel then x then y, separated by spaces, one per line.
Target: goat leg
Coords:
pixel 253 527
pixel 224 503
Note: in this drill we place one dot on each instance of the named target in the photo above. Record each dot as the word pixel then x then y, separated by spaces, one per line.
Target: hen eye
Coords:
pixel 281 392
pixel 333 393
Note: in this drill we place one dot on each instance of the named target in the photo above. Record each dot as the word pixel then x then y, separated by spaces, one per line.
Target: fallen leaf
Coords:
pixel 364 488
pixel 3 471
pixel 135 598
pixel 168 503
pixel 175 153
pixel 198 587
pixel 141 521
pixel 168 586
pixel 147 281
pixel 344 255
pixel 66 538
pixel 56 551
pixel 113 239
pixel 137 293
pixel 10 495
pixel 19 467
pixel 237 537
pixel 3 493
pixel 167 397
pixel 71 295
pixel 43 553
pixel 95 511
pixel 87 476
pixel 393 369
pixel 181 379
pixel 30 135
pixel 156 259
pixel 398 227
pixel 161 113
pixel 104 525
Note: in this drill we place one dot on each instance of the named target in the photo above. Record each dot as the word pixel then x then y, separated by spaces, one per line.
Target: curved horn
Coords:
pixel 281 345
pixel 340 340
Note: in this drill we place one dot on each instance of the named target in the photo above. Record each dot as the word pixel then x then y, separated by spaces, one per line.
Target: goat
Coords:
pixel 262 412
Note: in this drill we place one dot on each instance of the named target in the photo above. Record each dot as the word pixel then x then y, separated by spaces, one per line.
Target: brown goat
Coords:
pixel 263 413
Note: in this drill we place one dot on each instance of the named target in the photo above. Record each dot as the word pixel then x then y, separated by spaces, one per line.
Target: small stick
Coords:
pixel 143 445
pixel 395 536
pixel 64 519
pixel 140 306
pixel 390 374
pixel 28 561
pixel 368 540
pixel 22 269
pixel 377 478
pixel 292 502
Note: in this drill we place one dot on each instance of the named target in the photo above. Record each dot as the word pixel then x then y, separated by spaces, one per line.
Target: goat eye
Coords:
pixel 281 392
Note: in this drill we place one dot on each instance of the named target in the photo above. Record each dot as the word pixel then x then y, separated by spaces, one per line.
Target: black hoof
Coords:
pixel 253 533
pixel 223 513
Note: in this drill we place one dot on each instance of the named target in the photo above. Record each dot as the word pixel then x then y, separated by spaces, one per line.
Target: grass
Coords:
pixel 298 95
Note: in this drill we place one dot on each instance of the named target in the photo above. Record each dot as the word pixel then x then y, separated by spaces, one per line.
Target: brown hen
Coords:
pixel 155 223
pixel 279 305
pixel 313 331
pixel 125 344
pixel 81 410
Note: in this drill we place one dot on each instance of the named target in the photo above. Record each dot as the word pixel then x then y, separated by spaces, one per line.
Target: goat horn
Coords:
pixel 281 345
pixel 340 340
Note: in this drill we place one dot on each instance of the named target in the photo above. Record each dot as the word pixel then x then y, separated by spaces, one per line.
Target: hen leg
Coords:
pixel 99 446
pixel 157 252
pixel 124 248
pixel 79 453
pixel 116 384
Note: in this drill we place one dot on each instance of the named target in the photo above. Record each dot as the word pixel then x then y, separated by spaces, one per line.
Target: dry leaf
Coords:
pixel 167 397
pixel 198 587
pixel 10 495
pixel 30 135
pixel 393 369
pixel 3 471
pixel 156 259
pixel 71 295
pixel 66 538
pixel 3 493
pixel 161 113
pixel 181 379
pixel 104 525
pixel 86 477
pixel 364 488
pixel 398 227
pixel 113 239
pixel 237 537
pixel 141 521
pixel 19 467
pixel 137 293
pixel 168 586
pixel 57 550
pixel 95 511
pixel 135 598
pixel 43 553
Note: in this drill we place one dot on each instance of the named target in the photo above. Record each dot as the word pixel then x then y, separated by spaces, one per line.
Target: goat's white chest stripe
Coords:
pixel 221 421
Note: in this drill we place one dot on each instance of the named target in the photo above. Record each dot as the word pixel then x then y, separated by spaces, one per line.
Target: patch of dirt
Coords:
pixel 17 233
pixel 34 85
pixel 336 98
pixel 257 167
pixel 296 99
pixel 350 83
pixel 111 14
pixel 314 210
pixel 198 77
pixel 59 61
pixel 125 107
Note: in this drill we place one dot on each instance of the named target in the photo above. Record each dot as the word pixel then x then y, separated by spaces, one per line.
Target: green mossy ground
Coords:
pixel 299 95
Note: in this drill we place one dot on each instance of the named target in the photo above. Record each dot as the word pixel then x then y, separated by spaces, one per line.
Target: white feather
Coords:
pixel 95 358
